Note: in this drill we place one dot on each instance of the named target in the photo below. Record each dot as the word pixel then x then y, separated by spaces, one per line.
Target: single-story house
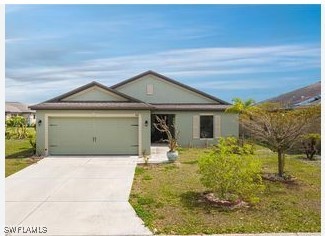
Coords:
pixel 98 120
pixel 20 109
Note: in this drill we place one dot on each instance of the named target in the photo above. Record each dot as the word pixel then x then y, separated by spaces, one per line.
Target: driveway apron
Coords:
pixel 74 196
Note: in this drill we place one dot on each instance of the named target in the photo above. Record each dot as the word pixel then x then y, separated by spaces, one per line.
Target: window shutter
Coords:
pixel 149 89
pixel 196 126
pixel 217 126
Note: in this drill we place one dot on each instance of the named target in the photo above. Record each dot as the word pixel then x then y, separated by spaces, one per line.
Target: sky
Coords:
pixel 228 51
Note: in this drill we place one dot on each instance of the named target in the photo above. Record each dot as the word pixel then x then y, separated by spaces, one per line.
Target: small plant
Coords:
pixel 163 127
pixel 231 172
pixel 32 142
pixel 19 125
pixel 145 157
pixel 309 143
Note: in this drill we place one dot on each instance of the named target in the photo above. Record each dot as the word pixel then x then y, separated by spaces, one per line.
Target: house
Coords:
pixel 20 109
pixel 118 120
pixel 305 96
pixel 300 98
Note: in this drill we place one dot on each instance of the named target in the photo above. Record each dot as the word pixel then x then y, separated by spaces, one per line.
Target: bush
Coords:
pixel 18 125
pixel 309 143
pixel 235 146
pixel 231 172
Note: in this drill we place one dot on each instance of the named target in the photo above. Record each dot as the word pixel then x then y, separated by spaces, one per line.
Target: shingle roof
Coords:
pixel 58 103
pixel 17 107
pixel 126 106
pixel 190 107
pixel 89 85
pixel 91 106
pixel 150 72
pixel 298 96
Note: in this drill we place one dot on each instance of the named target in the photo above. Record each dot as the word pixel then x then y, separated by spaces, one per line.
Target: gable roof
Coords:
pixel 310 94
pixel 150 72
pixel 17 107
pixel 89 85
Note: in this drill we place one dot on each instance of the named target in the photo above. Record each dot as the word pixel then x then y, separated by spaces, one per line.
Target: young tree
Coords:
pixel 278 128
pixel 241 107
pixel 231 171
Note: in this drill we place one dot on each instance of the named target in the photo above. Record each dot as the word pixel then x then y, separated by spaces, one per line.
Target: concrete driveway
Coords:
pixel 75 196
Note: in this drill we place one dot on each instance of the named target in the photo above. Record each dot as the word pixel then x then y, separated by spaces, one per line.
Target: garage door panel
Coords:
pixel 93 136
pixel 70 136
pixel 117 136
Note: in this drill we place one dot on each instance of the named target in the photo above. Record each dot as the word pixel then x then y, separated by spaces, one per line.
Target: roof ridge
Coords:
pixel 171 81
pixel 89 85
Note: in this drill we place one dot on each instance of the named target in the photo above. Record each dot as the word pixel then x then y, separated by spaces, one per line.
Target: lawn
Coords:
pixel 165 196
pixel 18 153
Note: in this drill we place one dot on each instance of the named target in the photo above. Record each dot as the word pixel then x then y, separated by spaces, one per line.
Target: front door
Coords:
pixel 156 135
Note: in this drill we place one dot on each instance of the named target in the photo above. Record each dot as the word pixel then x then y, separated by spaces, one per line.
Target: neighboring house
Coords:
pixel 302 97
pixel 118 120
pixel 309 95
pixel 20 109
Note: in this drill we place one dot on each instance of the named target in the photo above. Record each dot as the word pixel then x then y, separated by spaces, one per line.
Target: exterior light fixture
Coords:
pixel 39 122
pixel 146 123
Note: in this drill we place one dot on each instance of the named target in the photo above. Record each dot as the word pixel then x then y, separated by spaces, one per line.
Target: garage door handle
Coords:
pixel 95 139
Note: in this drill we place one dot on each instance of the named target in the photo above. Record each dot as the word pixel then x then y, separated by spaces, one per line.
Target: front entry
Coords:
pixel 156 135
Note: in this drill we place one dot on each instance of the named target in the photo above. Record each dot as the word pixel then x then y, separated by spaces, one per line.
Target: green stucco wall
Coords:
pixel 184 123
pixel 163 92
pixel 40 129
pixel 183 119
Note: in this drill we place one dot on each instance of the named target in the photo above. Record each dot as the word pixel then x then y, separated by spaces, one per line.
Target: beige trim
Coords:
pixel 149 89
pixel 47 116
pixel 196 127
pixel 140 134
pixel 46 133
pixel 217 126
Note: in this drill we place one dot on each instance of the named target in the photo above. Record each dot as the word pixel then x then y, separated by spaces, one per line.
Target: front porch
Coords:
pixel 158 154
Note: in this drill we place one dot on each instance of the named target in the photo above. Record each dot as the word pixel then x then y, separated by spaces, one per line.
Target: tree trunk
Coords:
pixel 280 163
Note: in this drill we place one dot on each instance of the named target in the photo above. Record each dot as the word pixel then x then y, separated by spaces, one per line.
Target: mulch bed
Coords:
pixel 288 179
pixel 209 197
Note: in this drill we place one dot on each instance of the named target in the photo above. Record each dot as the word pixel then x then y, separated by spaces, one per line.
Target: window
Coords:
pixel 149 89
pixel 206 126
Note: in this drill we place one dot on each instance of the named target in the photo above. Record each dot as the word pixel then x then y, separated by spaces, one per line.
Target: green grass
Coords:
pixel 168 201
pixel 18 153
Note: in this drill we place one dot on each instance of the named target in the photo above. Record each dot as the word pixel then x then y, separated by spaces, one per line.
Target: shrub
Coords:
pixel 231 172
pixel 235 146
pixel 309 143
pixel 18 124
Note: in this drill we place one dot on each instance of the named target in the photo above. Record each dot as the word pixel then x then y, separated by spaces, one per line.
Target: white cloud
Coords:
pixel 180 64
